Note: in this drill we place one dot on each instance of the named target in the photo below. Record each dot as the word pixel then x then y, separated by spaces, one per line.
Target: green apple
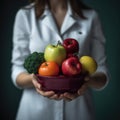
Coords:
pixel 56 53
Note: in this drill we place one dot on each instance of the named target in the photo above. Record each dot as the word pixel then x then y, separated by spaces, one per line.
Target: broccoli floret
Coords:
pixel 33 61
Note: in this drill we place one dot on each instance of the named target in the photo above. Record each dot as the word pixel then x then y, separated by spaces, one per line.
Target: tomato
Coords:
pixel 48 69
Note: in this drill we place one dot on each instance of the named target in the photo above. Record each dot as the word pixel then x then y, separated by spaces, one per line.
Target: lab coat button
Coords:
pixel 80 32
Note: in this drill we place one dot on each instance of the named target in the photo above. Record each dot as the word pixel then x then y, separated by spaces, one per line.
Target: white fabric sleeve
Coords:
pixel 98 48
pixel 21 32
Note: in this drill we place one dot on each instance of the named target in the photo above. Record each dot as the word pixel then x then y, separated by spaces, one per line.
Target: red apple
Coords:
pixel 72 55
pixel 71 66
pixel 71 45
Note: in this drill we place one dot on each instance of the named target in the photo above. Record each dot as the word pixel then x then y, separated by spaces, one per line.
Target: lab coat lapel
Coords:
pixel 69 20
pixel 49 21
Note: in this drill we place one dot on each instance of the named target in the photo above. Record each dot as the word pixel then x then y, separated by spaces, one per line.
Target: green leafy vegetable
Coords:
pixel 33 61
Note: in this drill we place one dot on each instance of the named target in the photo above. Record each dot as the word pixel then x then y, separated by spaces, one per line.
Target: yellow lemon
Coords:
pixel 88 64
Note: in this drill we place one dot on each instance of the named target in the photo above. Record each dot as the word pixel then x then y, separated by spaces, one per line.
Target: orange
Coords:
pixel 48 69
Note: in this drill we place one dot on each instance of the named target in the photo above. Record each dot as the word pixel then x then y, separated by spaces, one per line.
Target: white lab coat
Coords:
pixel 33 35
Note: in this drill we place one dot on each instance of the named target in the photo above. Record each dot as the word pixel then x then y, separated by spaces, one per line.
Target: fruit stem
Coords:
pixel 46 64
pixel 59 43
pixel 75 54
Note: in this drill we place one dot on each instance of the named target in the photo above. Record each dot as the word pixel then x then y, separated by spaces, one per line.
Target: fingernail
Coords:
pixel 87 78
pixel 79 92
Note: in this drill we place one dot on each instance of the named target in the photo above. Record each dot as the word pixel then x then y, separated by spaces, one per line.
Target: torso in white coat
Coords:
pixel 31 34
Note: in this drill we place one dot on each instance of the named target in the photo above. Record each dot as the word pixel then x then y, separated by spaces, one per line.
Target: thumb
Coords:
pixel 87 78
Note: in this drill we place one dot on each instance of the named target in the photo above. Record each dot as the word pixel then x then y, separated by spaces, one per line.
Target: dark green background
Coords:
pixel 107 102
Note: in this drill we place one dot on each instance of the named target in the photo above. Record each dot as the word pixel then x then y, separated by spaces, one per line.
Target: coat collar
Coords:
pixel 69 20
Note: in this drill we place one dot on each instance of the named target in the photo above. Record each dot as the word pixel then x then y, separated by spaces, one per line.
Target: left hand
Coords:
pixel 69 96
pixel 96 81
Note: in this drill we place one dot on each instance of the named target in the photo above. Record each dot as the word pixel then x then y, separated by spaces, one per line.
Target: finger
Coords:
pixel 61 96
pixel 67 99
pixel 87 78
pixel 70 96
pixel 36 84
pixel 55 97
pixel 82 90
pixel 34 76
pixel 45 94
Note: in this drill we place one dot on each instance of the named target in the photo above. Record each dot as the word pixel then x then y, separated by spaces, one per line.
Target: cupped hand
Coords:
pixel 48 94
pixel 70 96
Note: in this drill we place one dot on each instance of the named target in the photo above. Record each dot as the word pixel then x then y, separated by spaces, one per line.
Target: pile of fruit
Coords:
pixel 60 59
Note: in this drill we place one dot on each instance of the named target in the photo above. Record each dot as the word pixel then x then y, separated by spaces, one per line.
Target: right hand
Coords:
pixel 48 94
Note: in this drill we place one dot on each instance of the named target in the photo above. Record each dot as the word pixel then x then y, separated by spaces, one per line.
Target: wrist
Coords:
pixel 24 80
pixel 96 80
